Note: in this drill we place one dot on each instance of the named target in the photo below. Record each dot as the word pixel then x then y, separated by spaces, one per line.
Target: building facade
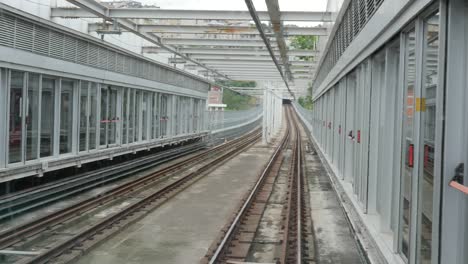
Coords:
pixel 390 119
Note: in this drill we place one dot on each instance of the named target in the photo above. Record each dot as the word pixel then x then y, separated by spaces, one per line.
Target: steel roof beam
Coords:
pixel 254 70
pixel 250 93
pixel 294 64
pixel 247 88
pixel 205 36
pixel 259 26
pixel 257 71
pixel 213 42
pixel 254 90
pixel 253 73
pixel 235 59
pixel 216 63
pixel 304 67
pixel 202 57
pixel 304 75
pixel 250 78
pixel 275 18
pixel 251 69
pixel 254 76
pixel 227 51
pixel 103 12
pixel 212 29
pixel 157 13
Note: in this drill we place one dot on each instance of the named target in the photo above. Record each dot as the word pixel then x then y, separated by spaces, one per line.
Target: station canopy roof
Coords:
pixel 275 48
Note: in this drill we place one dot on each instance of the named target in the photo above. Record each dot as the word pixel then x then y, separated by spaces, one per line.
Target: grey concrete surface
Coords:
pixel 335 243
pixel 266 246
pixel 181 230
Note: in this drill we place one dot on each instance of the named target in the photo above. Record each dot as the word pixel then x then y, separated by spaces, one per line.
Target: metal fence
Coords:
pixel 230 119
pixel 305 113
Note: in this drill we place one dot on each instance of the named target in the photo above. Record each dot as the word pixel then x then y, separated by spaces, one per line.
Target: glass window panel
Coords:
pixel 16 116
pixel 66 116
pixel 408 151
pixel 155 118
pixel 137 115
pixel 185 106
pixel 194 115
pixel 131 120
pixel 32 118
pixel 47 117
pixel 104 117
pixel 112 116
pixel 84 116
pixel 144 116
pixel 163 111
pixel 92 115
pixel 391 92
pixel 176 116
pixel 430 78
pixel 181 115
pixel 124 116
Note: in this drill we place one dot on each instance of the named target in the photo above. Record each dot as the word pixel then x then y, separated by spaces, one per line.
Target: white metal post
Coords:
pixel 3 116
pixel 268 104
pixel 265 110
pixel 270 125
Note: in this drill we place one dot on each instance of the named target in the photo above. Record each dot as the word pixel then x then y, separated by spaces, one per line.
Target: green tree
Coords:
pixel 233 83
pixel 235 100
pixel 306 102
pixel 306 43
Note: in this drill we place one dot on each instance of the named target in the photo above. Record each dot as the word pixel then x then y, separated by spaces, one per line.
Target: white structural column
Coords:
pixel 272 114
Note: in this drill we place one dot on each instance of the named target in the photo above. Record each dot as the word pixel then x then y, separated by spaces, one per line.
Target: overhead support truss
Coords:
pixel 259 26
pixel 258 71
pixel 210 29
pixel 215 43
pixel 251 62
pixel 102 11
pixel 232 51
pixel 156 13
pixel 275 18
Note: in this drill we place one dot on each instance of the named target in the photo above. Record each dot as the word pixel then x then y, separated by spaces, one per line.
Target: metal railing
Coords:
pixel 230 119
pixel 307 114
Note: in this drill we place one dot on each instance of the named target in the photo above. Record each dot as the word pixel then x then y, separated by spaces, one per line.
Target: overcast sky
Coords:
pixel 285 5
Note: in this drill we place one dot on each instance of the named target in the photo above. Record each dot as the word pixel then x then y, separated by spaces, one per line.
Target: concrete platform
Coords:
pixel 335 243
pixel 181 230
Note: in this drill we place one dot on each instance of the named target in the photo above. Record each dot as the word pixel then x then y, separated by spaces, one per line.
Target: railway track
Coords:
pixel 31 198
pixel 45 236
pixel 243 238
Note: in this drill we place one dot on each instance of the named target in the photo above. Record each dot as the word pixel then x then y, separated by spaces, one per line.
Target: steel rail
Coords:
pixel 294 214
pixel 22 201
pixel 299 194
pixel 15 234
pixel 235 223
pixel 106 223
pixel 290 200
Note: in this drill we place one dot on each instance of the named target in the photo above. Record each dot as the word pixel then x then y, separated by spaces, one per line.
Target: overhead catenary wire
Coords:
pixel 258 24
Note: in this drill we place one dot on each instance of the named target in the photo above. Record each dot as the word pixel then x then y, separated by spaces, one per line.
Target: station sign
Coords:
pixel 215 95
